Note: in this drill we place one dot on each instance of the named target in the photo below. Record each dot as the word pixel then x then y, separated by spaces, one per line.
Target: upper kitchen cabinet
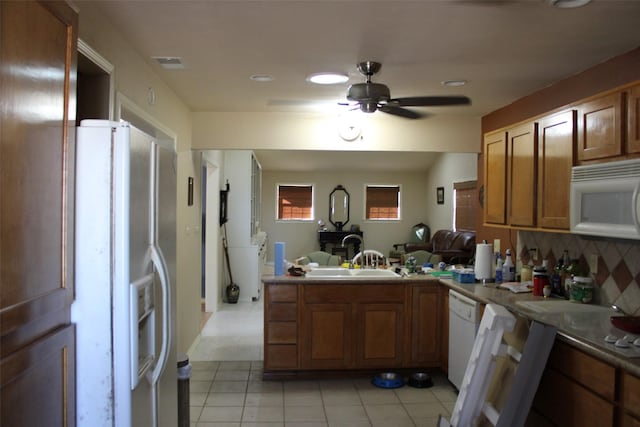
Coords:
pixel 495 173
pixel 556 141
pixel 600 127
pixel 633 119
pixel 521 173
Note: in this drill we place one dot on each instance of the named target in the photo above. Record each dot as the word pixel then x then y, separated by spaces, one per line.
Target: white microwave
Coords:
pixel 604 199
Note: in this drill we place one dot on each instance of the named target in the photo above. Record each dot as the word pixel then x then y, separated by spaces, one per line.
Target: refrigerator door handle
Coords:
pixel 158 261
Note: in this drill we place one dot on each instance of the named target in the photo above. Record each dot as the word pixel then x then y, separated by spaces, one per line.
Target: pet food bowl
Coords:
pixel 388 380
pixel 420 380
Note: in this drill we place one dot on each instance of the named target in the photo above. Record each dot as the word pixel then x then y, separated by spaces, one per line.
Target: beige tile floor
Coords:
pixel 231 392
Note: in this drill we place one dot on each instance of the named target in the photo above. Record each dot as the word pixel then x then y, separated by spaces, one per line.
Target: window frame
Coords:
pixel 399 205
pixel 296 184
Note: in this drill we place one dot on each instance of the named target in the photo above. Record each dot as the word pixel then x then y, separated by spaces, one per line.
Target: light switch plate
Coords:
pixel 496 245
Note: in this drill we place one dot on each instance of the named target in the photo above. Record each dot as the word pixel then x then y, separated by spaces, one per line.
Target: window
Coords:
pixel 465 208
pixel 382 202
pixel 295 202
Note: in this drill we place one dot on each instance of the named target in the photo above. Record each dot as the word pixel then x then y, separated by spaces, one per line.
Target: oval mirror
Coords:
pixel 339 207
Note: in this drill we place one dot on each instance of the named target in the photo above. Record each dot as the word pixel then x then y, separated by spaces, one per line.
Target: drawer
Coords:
pixel 282 332
pixel 282 293
pixel 283 312
pixel 281 357
pixel 631 394
pixel 586 370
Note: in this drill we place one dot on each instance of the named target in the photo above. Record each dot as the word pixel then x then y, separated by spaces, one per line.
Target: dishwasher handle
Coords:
pixel 463 307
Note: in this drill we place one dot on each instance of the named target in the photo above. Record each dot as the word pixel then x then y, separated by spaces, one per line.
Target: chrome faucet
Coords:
pixel 355 236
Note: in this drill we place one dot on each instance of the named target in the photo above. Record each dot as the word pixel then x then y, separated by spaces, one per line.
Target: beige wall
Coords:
pixel 133 78
pixel 298 131
pixel 446 170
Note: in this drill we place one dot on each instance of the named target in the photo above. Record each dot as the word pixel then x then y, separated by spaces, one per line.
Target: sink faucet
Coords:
pixel 355 236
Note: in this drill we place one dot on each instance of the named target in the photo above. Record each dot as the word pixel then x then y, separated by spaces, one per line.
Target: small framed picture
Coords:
pixel 440 195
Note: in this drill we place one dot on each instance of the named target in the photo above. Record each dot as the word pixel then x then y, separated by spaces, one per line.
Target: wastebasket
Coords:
pixel 184 374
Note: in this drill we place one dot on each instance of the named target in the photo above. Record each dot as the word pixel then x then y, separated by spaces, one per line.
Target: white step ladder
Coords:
pixel 498 375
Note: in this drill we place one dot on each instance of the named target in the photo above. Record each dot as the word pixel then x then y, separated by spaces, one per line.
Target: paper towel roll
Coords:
pixel 484 260
pixel 278 262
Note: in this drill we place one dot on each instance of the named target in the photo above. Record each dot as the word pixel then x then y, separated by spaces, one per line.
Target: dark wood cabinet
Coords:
pixel 600 127
pixel 327 336
pixel 281 326
pixel 495 177
pixel 556 141
pixel 352 326
pixel 428 325
pixel 633 120
pixel 379 334
pixel 37 352
pixel 522 174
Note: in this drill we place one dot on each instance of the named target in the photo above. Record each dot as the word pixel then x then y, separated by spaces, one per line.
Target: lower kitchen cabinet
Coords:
pixel 426 325
pixel 576 389
pixel 333 327
pixel 327 337
pixel 630 391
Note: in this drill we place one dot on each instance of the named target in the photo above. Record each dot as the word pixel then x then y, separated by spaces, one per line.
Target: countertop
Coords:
pixel 583 330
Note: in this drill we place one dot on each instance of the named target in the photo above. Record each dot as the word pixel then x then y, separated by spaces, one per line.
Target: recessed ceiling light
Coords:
pixel 453 83
pixel 327 78
pixel 261 78
pixel 568 4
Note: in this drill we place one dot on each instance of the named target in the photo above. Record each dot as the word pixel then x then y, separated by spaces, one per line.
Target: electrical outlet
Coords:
pixel 534 254
pixel 593 263
pixel 496 245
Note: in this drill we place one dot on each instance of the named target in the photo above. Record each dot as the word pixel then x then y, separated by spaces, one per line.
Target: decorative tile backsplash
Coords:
pixel 617 280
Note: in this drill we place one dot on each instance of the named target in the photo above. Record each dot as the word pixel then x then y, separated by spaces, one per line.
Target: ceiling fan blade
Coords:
pixel 397 111
pixel 430 101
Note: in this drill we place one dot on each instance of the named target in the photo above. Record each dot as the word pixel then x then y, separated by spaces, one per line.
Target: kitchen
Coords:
pixel 192 134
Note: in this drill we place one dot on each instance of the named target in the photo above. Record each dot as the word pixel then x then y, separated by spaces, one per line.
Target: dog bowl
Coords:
pixel 420 380
pixel 388 380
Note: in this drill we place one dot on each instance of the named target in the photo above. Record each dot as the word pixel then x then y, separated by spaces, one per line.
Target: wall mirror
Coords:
pixel 339 207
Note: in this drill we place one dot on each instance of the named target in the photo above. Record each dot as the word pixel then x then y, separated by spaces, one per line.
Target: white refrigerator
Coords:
pixel 125 275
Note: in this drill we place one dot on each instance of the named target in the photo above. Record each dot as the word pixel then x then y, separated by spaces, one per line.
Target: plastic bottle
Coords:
pixel 508 268
pixel 499 264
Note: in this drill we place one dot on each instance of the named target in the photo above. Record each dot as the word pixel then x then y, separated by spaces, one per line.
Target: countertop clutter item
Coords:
pixel 484 261
pixel 627 323
pixel 388 380
pixel 420 380
pixel 581 289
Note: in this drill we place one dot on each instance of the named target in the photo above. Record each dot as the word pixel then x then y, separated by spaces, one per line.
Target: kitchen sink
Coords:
pixel 344 273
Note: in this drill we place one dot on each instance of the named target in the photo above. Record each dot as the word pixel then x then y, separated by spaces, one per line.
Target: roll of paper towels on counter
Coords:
pixel 484 261
pixel 278 262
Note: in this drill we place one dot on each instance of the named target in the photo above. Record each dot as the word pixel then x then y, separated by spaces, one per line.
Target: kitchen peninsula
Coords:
pixel 317 326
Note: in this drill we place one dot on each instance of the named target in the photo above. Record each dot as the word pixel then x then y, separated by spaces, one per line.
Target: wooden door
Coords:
pixel 379 334
pixel 326 340
pixel 495 177
pixel 521 171
pixel 38 57
pixel 425 324
pixel 556 142
pixel 633 120
pixel 600 127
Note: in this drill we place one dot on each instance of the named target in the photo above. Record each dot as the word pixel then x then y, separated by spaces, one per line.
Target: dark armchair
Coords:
pixel 455 247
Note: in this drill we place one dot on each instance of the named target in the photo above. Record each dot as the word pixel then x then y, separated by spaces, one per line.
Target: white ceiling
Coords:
pixel 504 49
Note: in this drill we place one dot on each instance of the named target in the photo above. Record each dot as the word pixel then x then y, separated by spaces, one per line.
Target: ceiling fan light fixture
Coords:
pixel 328 78
pixel 568 4
pixel 454 83
pixel 261 78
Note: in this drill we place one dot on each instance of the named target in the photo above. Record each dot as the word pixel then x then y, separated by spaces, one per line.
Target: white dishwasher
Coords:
pixel 463 326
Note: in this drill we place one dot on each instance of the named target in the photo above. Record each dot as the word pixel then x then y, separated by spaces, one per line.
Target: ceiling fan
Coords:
pixel 372 97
